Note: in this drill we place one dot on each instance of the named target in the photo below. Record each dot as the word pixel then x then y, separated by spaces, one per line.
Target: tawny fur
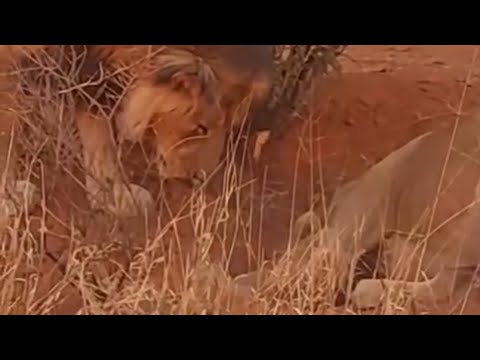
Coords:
pixel 190 96
pixel 428 225
pixel 426 222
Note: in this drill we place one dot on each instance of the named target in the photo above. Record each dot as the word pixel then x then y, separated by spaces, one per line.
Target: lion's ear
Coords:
pixel 186 82
pixel 187 78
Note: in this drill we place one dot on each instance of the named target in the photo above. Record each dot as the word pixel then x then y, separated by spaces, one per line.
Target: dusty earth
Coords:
pixel 386 95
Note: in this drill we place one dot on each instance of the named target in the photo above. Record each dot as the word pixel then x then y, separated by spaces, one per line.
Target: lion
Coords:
pixel 190 97
pixel 420 204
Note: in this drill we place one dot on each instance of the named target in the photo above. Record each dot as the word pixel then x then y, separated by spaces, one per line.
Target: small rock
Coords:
pixel 350 121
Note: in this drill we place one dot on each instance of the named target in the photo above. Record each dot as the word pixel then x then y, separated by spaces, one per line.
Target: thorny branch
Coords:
pixel 296 67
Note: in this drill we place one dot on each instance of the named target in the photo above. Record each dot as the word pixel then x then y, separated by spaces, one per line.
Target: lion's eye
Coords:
pixel 202 130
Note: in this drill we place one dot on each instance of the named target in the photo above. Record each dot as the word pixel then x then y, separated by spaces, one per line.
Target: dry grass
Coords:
pixel 58 257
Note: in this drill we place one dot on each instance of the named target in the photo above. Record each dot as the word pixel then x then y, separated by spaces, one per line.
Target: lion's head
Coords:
pixel 180 102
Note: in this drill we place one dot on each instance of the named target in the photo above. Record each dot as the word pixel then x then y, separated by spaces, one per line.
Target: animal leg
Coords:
pixel 369 293
pixel 105 187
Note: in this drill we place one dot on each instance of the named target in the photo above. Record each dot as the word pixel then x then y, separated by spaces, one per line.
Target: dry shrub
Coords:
pixel 297 67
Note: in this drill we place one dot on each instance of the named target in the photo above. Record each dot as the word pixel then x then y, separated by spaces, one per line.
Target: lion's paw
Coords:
pixel 368 293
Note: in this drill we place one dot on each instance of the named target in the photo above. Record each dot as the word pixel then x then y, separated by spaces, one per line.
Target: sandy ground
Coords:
pixel 386 96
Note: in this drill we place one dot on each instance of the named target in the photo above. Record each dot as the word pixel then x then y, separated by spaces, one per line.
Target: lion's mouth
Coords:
pixel 192 178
